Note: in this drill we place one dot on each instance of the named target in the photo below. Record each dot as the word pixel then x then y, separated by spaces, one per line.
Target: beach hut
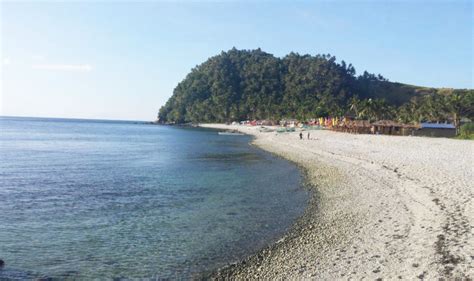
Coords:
pixel 386 127
pixel 354 126
pixel 389 127
pixel 436 130
pixel 409 129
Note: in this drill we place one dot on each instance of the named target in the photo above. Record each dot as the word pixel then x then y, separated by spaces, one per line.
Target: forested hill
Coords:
pixel 251 84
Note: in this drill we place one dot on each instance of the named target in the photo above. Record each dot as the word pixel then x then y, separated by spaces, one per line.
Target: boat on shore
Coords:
pixel 266 130
pixel 230 133
pixel 286 130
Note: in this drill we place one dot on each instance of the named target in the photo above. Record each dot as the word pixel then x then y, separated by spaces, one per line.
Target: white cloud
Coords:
pixel 64 67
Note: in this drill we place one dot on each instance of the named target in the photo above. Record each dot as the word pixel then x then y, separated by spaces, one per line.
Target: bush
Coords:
pixel 467 131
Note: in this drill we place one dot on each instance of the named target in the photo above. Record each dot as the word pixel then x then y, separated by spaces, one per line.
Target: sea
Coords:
pixel 85 199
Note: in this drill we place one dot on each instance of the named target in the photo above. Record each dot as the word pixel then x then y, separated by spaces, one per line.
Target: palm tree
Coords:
pixel 458 105
pixel 354 105
pixel 373 109
pixel 381 109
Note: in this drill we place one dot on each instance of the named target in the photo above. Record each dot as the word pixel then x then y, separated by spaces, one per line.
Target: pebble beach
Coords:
pixel 382 207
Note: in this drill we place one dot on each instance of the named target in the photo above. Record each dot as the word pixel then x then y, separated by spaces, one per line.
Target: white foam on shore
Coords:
pixel 390 207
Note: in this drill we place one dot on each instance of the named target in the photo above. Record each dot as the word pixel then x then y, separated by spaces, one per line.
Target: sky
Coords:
pixel 122 59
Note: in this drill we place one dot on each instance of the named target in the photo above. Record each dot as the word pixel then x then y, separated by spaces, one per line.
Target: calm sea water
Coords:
pixel 103 199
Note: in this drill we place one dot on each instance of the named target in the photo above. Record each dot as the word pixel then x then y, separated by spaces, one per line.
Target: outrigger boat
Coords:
pixel 266 130
pixel 286 130
pixel 230 133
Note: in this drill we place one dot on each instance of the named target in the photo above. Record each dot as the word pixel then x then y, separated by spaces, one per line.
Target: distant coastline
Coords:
pixel 379 209
pixel 61 119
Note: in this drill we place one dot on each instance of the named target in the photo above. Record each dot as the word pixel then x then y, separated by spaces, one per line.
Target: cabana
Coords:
pixel 389 127
pixel 386 127
pixel 353 126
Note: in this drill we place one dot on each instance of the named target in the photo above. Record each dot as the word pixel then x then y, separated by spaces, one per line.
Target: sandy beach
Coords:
pixel 383 207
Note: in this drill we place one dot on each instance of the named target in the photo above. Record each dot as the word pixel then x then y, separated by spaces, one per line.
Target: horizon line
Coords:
pixel 73 118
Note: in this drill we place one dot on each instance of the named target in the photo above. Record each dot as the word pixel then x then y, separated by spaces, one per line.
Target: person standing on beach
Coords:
pixel 308 135
pixel 301 136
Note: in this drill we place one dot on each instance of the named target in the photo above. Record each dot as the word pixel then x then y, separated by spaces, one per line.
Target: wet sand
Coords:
pixel 383 207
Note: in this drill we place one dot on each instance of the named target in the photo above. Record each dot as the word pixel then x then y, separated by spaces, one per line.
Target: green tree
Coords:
pixel 252 84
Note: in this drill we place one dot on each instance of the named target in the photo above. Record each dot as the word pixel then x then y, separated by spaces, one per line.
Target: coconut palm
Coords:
pixel 459 104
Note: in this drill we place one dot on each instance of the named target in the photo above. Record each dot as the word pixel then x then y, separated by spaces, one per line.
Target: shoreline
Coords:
pixel 372 212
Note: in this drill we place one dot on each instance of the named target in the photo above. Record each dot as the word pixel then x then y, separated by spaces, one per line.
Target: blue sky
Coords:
pixel 121 60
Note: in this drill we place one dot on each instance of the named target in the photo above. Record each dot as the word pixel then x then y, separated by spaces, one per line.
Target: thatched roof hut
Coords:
pixel 387 123
pixel 390 127
pixel 353 126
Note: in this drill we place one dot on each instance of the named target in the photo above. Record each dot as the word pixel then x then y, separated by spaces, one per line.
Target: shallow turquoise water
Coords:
pixel 102 199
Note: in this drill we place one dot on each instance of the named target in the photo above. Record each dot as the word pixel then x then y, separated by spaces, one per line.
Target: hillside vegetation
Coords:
pixel 251 84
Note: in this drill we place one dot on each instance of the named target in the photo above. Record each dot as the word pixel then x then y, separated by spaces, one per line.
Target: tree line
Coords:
pixel 252 84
